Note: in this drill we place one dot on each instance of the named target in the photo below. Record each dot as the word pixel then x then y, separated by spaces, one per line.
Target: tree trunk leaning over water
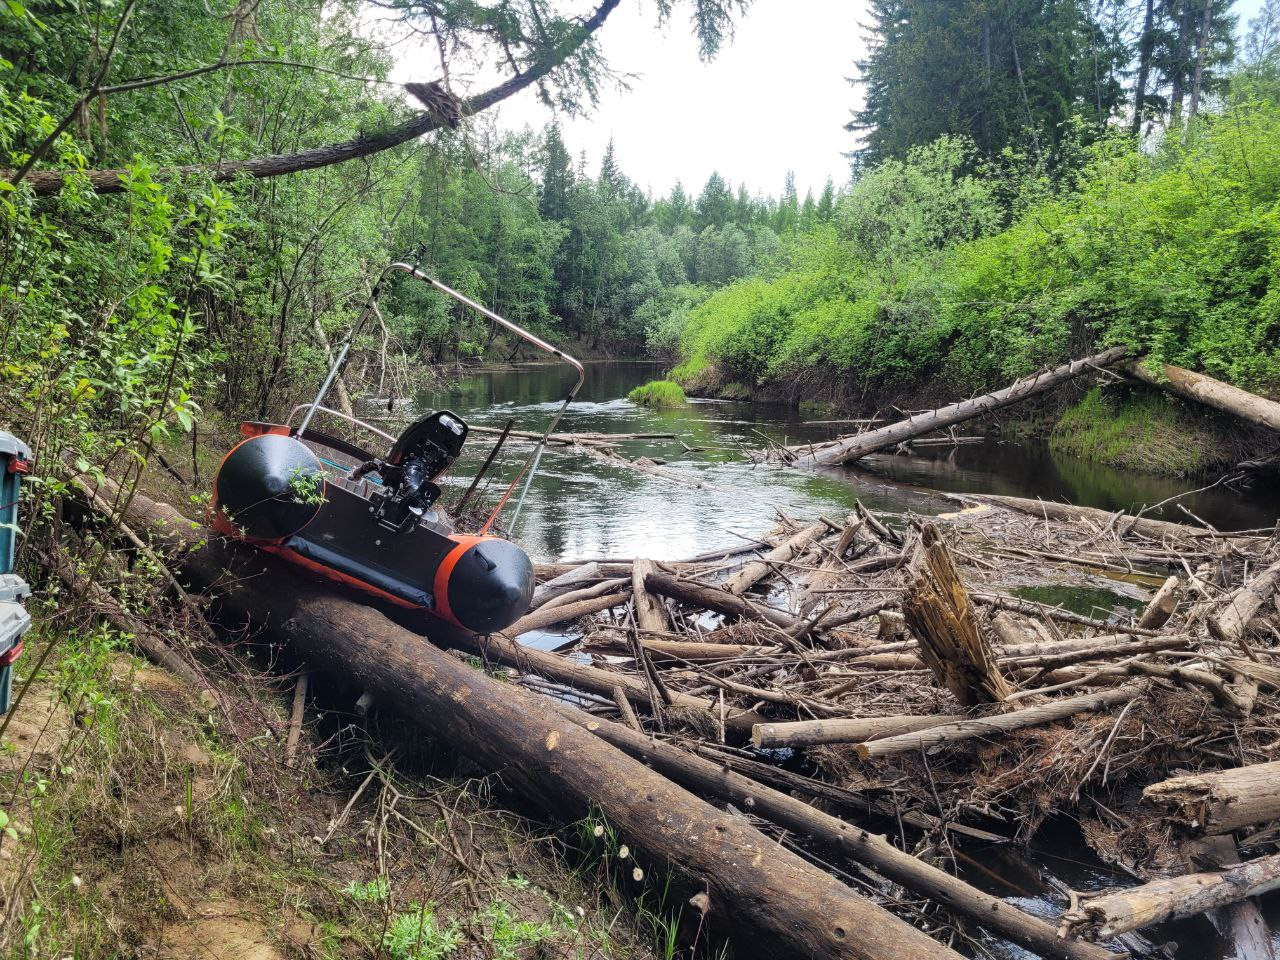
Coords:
pixel 1210 392
pixel 780 904
pixel 850 449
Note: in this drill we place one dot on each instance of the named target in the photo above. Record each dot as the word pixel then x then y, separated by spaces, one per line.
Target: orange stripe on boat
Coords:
pixel 440 585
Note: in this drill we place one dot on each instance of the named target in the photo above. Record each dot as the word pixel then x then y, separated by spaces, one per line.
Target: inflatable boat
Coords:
pixel 367 514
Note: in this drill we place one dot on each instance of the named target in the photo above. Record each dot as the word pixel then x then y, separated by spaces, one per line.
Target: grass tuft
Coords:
pixel 658 395
pixel 1141 431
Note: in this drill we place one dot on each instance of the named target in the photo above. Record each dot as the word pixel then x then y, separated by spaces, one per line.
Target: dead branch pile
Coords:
pixel 973 674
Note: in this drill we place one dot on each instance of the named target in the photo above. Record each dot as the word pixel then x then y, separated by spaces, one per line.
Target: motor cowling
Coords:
pixel 268 488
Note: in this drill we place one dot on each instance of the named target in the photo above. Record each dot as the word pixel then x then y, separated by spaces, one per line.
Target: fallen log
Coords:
pixel 549 615
pixel 809 733
pixel 774 902
pixel 1212 393
pixel 151 644
pixel 1174 898
pixel 1213 803
pixel 572 579
pixel 709 777
pixel 850 449
pixel 1002 723
pixel 716 599
pixel 1241 924
pixel 598 589
pixel 1231 625
pixel 952 642
pixel 693 651
pixel 1123 523
pixel 755 571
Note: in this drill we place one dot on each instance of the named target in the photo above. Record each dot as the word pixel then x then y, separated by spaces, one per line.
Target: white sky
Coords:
pixel 775 99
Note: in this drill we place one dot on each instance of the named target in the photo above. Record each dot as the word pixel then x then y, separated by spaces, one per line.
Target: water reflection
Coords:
pixel 581 508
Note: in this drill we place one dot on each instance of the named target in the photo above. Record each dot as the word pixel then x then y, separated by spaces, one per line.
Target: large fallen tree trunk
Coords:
pixel 849 449
pixel 1212 803
pixel 1002 723
pixel 1112 914
pixel 777 903
pixel 1212 393
pixel 708 777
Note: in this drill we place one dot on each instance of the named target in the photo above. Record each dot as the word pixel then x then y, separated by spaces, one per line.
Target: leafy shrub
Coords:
pixel 1174 253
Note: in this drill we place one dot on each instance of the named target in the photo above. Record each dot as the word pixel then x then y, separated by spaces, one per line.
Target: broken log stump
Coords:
pixel 1162 604
pixel 650 615
pixel 952 642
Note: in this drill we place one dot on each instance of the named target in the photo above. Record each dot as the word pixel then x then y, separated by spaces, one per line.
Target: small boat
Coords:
pixel 372 521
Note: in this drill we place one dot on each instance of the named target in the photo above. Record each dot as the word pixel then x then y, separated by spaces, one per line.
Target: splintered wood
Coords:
pixel 951 641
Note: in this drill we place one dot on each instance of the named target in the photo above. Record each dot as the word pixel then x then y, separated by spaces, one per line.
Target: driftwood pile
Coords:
pixel 905 667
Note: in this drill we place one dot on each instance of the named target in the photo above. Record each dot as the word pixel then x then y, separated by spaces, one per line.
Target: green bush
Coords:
pixel 1173 252
pixel 658 395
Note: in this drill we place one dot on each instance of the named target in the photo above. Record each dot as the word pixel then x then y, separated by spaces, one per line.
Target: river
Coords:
pixel 582 508
pixel 579 508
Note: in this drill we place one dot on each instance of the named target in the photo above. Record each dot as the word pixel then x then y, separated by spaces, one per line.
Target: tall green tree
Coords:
pixel 1004 73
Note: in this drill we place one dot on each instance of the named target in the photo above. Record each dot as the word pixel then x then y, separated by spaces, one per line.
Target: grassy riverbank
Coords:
pixel 1141 430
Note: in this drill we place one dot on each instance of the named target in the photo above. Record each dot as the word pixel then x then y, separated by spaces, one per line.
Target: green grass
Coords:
pixel 658 395
pixel 1141 431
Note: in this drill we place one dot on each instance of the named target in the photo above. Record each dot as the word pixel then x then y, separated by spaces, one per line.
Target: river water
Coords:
pixel 579 508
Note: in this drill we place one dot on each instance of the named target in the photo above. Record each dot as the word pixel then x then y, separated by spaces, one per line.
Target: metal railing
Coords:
pixel 371 309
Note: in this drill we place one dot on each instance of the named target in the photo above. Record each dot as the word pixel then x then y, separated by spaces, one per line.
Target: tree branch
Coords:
pixel 46 182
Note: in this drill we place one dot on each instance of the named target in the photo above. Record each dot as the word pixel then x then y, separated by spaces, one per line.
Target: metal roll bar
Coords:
pixel 371 309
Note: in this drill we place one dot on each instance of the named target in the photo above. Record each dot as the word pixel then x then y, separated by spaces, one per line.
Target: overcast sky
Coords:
pixel 775 99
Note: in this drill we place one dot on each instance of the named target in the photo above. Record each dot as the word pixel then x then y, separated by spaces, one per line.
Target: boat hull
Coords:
pixel 274 492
